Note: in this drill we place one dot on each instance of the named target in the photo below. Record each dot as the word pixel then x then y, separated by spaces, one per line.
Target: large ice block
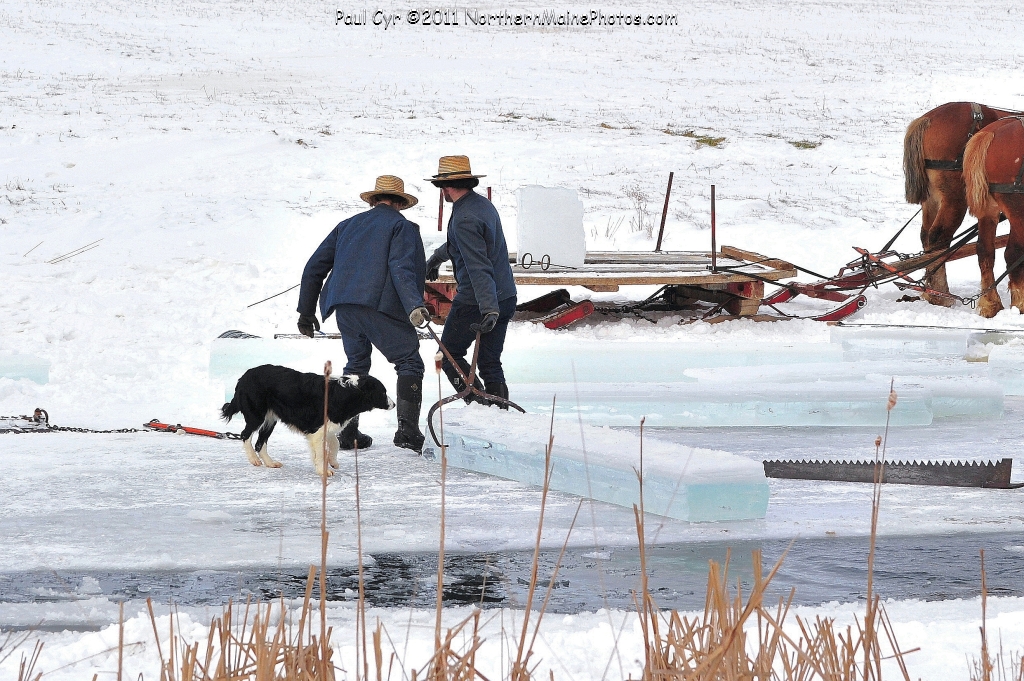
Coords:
pixel 872 343
pixel 550 223
pixel 1006 367
pixel 560 358
pixel 957 388
pixel 963 397
pixel 686 483
pixel 690 404
pixel 937 369
pixel 231 357
pixel 17 366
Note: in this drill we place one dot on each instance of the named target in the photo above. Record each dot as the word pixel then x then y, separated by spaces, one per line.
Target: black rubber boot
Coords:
pixel 499 390
pixel 410 397
pixel 459 384
pixel 350 436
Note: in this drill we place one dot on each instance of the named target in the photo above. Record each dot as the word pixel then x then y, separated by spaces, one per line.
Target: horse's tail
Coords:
pixel 915 176
pixel 975 155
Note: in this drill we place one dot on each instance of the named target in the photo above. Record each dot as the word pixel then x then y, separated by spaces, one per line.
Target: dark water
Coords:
pixel 821 570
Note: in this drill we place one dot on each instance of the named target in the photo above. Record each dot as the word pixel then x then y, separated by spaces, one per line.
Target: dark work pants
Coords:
pixel 363 328
pixel 457 337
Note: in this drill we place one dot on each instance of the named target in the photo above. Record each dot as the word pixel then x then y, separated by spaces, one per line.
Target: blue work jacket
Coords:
pixel 375 259
pixel 479 255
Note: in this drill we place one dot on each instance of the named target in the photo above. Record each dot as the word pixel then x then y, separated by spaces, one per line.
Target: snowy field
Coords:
pixel 202 150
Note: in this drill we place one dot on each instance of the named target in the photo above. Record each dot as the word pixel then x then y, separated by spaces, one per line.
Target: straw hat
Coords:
pixel 453 168
pixel 392 186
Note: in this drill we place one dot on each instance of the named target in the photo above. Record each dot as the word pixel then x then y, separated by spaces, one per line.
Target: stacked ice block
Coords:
pixel 18 366
pixel 550 224
pixel 840 380
pixel 696 485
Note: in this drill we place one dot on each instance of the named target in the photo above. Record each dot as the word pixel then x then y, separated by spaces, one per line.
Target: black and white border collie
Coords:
pixel 267 394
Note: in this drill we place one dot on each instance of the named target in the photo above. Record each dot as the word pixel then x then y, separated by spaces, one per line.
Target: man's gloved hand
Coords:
pixel 488 323
pixel 307 323
pixel 434 268
pixel 419 317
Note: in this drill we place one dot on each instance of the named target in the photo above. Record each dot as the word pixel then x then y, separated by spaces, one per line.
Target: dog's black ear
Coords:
pixel 375 395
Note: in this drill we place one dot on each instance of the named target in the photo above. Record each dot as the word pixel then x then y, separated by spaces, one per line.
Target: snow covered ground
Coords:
pixel 595 645
pixel 206 148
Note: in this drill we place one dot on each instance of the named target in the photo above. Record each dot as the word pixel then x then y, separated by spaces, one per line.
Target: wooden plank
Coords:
pixel 608 270
pixel 743 307
pixel 624 279
pixel 966 251
pixel 750 318
pixel 663 258
pixel 638 257
pixel 750 256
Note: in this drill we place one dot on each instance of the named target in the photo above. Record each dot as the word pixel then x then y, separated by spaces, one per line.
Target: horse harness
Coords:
pixel 1017 186
pixel 958 165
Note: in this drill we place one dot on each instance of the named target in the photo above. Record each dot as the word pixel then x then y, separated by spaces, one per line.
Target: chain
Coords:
pixel 40 423
pixel 70 429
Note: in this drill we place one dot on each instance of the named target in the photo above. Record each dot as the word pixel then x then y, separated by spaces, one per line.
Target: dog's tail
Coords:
pixel 230 409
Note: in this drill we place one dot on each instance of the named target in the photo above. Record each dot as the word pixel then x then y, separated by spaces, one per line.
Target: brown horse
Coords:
pixel 933 153
pixel 993 174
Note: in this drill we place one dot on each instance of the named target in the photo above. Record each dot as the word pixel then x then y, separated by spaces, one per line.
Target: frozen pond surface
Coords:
pixel 928 568
pixel 130 516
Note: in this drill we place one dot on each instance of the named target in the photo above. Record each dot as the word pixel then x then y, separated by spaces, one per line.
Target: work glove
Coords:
pixel 419 317
pixel 308 322
pixel 434 268
pixel 488 323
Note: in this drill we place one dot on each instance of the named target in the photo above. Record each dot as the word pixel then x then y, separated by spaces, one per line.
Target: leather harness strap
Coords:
pixel 958 164
pixel 1017 187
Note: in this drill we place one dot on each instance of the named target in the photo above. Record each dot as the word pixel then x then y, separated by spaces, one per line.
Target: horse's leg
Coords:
pixel 946 205
pixel 1013 206
pixel 989 304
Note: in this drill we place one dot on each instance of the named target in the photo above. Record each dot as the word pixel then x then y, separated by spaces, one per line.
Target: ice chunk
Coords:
pixel 899 343
pixel 1004 353
pixel 964 397
pixel 940 368
pixel 686 483
pixel 562 359
pixel 231 357
pixel 689 404
pixel 17 366
pixel 957 388
pixel 1006 367
pixel 550 223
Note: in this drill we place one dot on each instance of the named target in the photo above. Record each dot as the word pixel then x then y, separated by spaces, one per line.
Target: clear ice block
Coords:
pixel 696 485
pixel 869 343
pixel 18 366
pixel 550 223
pixel 693 405
pixel 1006 367
pixel 560 358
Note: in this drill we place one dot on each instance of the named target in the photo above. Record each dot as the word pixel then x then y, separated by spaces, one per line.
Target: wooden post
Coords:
pixel 664 213
pixel 714 258
pixel 440 209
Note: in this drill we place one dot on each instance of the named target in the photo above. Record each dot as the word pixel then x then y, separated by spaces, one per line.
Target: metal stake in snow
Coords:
pixel 323 529
pixel 440 209
pixel 664 213
pixel 714 258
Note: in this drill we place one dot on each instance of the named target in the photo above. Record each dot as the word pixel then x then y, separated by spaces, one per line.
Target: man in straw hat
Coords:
pixel 375 290
pixel 485 299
